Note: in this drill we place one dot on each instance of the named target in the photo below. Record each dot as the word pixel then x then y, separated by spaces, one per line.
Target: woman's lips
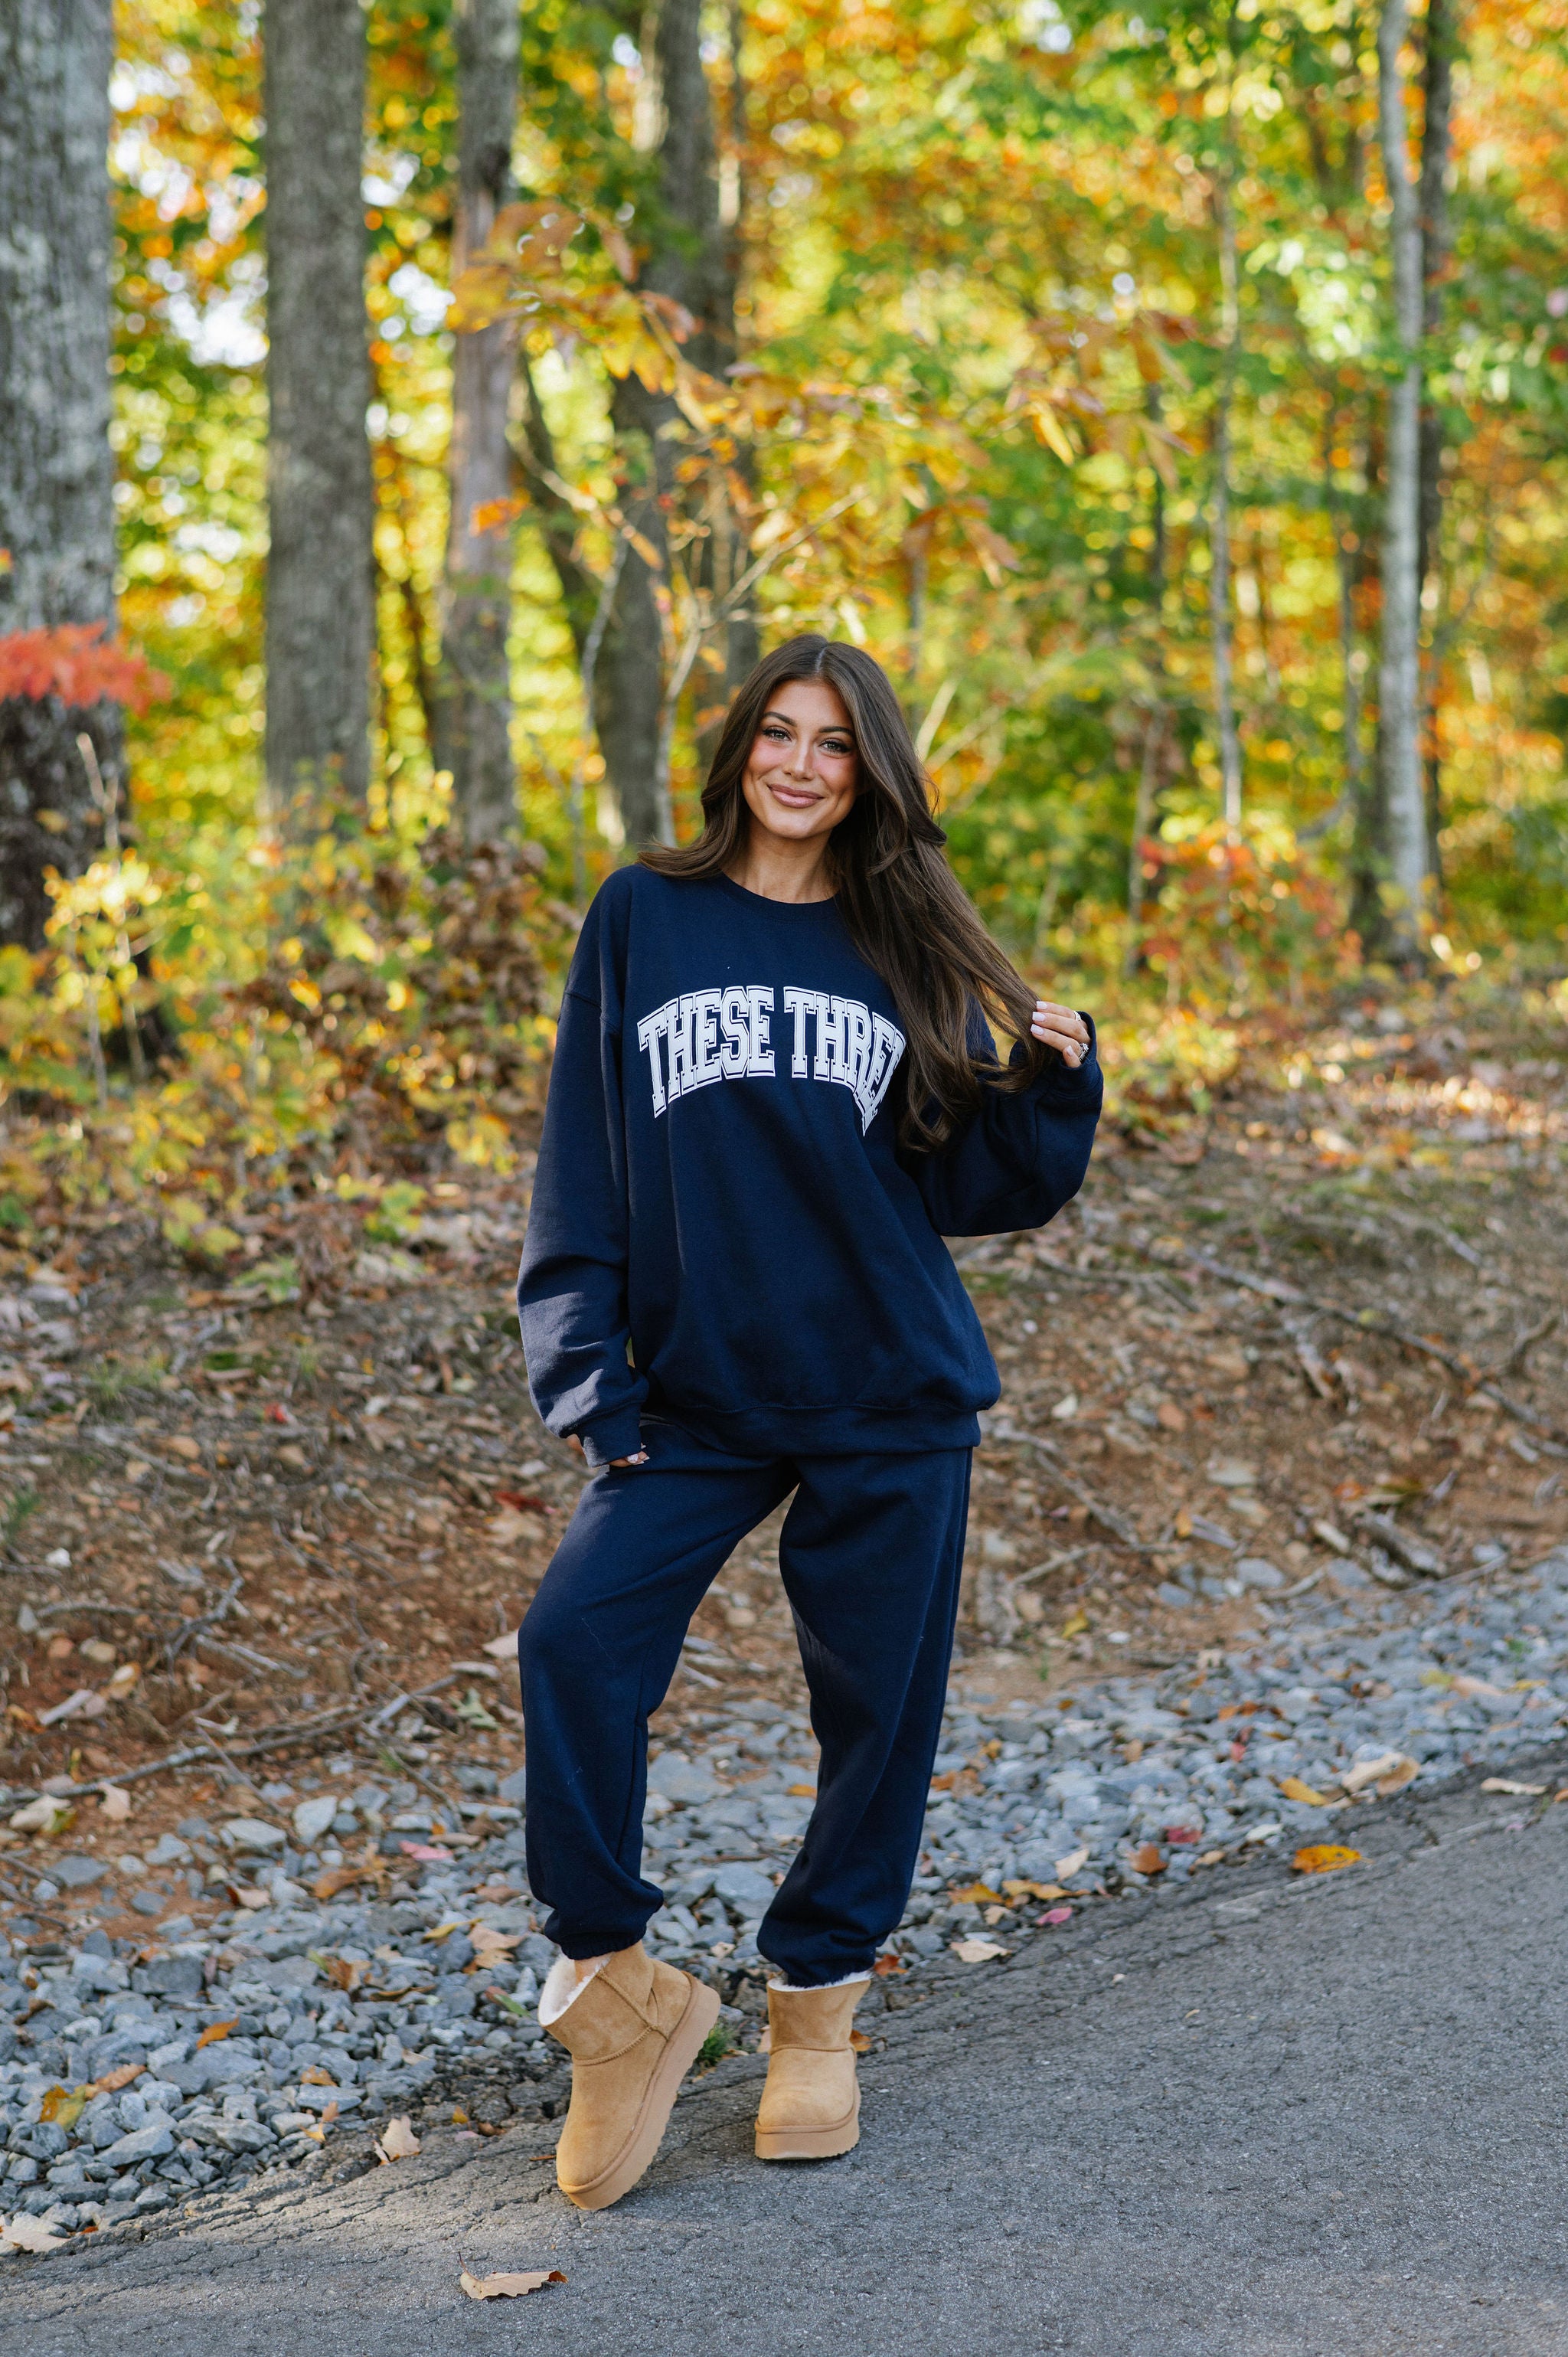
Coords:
pixel 798 797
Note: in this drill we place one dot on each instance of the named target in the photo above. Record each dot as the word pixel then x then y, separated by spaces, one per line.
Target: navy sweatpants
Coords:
pixel 871 1552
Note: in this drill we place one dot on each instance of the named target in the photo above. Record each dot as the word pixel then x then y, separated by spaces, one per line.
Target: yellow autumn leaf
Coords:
pixel 1076 1625
pixel 1295 1789
pixel 1324 1858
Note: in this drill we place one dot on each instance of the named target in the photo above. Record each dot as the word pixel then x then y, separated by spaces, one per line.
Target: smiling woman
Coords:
pixel 775 1091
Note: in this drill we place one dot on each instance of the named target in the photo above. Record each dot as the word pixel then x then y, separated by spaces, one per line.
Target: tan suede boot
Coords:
pixel 632 2031
pixel 810 2106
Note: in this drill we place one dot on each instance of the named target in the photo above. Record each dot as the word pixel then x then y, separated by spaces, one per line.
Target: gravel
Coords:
pixel 1118 1784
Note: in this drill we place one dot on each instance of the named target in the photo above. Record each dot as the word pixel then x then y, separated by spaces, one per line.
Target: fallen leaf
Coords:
pixel 490 1945
pixel 886 1965
pixel 1056 1915
pixel 1295 1789
pixel 1390 1771
pixel 427 1853
pixel 249 1894
pixel 63 2110
pixel 312 2075
pixel 1075 1625
pixel 397 2140
pixel 28 2234
pixel 502 1648
pixel 508 2286
pixel 1473 1689
pixel 975 1894
pixel 114 1803
pixel 1507 1784
pixel 443 1930
pixel 344 1972
pixel 977 1951
pixel 1324 1858
pixel 122 2076
pixel 859 2040
pixel 217 2030
pixel 342 1878
pixel 183 1446
pixel 1146 1859
pixel 1073 1864
pixel 123 1679
pixel 1034 1890
pixel 1209 1858
pixel 804 1792
pixel 460 2116
pixel 45 1816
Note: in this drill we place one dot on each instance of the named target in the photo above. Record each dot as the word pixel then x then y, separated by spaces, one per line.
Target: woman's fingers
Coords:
pixel 1061 1027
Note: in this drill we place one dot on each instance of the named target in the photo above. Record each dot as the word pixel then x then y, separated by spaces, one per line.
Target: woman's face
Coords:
pixel 804 768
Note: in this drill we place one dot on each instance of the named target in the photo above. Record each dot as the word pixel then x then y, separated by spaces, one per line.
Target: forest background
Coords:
pixel 416 417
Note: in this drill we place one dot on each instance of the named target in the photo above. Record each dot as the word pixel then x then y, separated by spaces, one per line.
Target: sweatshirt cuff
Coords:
pixel 609 1436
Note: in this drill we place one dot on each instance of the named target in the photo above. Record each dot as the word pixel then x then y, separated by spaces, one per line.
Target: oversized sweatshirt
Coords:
pixel 725 1228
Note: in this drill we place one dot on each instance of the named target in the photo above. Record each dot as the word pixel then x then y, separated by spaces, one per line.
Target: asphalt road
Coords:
pixel 1274 2119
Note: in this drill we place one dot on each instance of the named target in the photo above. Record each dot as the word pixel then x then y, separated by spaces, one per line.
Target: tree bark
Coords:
pixel 320 573
pixel 1442 39
pixel 1219 521
pixel 56 510
pixel 693 260
pixel 473 730
pixel 1399 675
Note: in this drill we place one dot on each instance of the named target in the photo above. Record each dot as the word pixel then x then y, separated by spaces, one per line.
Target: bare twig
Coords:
pixel 1120 1528
pixel 1363 1322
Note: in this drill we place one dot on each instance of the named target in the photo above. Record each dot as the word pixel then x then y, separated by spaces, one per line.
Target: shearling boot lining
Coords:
pixel 562 1987
pixel 791 1989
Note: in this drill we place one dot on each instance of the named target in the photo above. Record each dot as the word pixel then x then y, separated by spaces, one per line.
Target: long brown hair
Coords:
pixel 905 909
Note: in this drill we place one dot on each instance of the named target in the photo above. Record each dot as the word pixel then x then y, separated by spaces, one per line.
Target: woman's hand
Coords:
pixel 640 1458
pixel 1060 1027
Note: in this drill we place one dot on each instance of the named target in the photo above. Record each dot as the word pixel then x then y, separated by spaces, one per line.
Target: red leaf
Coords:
pixel 79 665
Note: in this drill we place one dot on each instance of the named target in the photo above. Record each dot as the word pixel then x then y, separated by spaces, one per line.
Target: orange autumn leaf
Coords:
pixel 1324 1858
pixel 977 1894
pixel 312 2075
pixel 1295 1789
pixel 1146 1859
pixel 112 2081
pixel 61 2109
pixel 216 2030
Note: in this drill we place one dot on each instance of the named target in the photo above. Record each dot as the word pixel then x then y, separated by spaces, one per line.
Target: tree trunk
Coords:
pixel 693 261
pixel 57 512
pixel 321 575
pixel 1436 241
pixel 473 720
pixel 1219 521
pixel 1398 674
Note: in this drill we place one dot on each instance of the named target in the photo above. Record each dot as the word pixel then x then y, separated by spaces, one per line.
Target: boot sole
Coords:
pixel 681 2051
pixel 810 2143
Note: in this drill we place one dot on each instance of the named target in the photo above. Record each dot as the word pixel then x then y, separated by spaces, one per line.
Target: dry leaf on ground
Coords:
pixel 502 1648
pixel 508 2286
pixel 1389 1772
pixel 25 2234
pixel 114 1803
pixel 62 2110
pixel 397 2140
pixel 1146 1859
pixel 1324 1858
pixel 1295 1789
pixel 976 1894
pixel 121 2076
pixel 216 2030
pixel 1074 1863
pixel 1507 1784
pixel 977 1951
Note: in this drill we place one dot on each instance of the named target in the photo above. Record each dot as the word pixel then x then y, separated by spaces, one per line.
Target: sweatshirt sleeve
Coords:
pixel 1018 1158
pixel 571 1286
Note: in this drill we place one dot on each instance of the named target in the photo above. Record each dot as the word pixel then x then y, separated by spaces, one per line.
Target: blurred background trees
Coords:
pixel 1173 400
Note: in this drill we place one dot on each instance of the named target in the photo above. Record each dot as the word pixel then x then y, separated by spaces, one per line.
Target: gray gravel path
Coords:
pixel 1256 2117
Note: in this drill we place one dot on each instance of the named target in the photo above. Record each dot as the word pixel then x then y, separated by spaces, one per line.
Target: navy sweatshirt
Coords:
pixel 725 1228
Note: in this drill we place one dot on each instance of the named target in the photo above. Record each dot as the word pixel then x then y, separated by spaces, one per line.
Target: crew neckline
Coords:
pixel 761 900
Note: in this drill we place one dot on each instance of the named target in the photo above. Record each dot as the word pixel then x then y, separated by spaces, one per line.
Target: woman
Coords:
pixel 774 1093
